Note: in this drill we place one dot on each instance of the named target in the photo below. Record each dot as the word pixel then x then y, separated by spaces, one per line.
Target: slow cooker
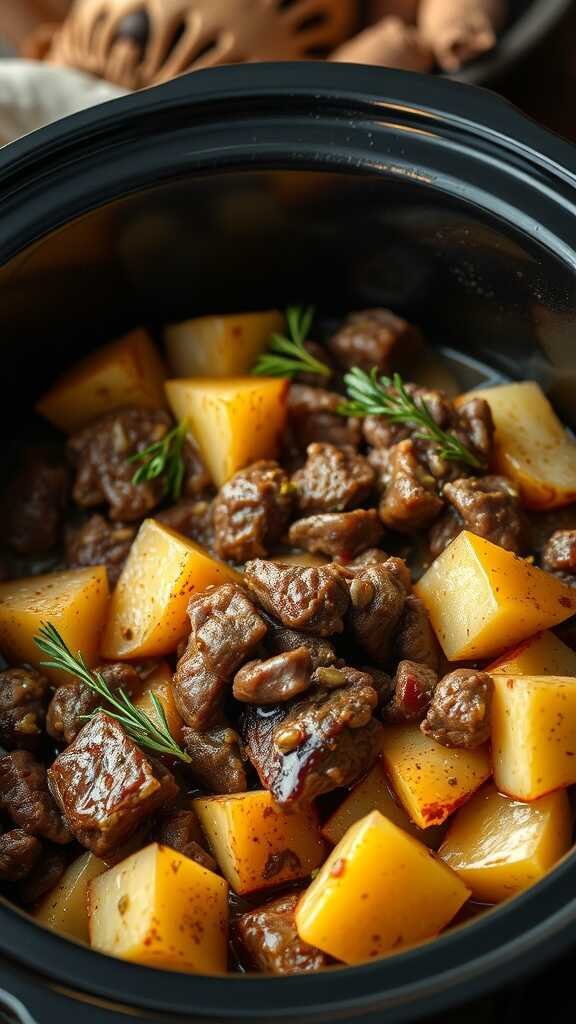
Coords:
pixel 247 187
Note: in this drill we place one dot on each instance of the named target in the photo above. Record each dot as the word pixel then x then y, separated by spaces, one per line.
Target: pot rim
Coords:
pixel 443 136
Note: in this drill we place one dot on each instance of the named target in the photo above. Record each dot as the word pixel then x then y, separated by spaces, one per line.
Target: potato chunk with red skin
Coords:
pixel 106 785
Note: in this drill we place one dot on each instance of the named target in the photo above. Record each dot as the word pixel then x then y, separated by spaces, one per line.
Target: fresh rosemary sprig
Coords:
pixel 137 724
pixel 287 356
pixel 370 396
pixel 163 459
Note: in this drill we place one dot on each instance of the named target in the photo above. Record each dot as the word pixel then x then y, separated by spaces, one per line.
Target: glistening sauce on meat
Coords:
pixel 289 674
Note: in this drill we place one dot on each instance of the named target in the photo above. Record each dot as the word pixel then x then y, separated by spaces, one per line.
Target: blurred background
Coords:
pixel 523 49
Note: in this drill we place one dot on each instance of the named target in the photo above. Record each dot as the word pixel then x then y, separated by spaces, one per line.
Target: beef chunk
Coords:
pixel 23 697
pixel 275 680
pixel 107 786
pixel 415 639
pixel 543 524
pixel 271 943
pixel 193 517
pixel 26 800
pixel 71 704
pixel 99 542
pixel 252 511
pixel 225 630
pixel 381 433
pixel 34 503
pixel 342 535
pixel 19 853
pixel 313 416
pixel 312 599
pixel 280 639
pixel 332 480
pixel 413 689
pixel 410 501
pixel 377 599
pixel 376 337
pixel 375 556
pixel 44 876
pixel 321 743
pixel 459 715
pixel 181 832
pixel 217 758
pixel 559 556
pixel 488 506
pixel 475 427
pixel 101 454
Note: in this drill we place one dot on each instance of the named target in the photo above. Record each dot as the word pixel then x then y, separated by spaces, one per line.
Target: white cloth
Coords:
pixel 33 94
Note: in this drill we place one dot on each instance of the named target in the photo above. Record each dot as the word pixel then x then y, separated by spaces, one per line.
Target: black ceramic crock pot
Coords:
pixel 249 187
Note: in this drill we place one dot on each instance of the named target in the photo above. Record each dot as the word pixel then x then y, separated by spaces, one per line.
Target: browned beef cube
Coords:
pixel 217 758
pixel 313 416
pixel 193 517
pixel 488 506
pixel 271 943
pixel 415 639
pixel 559 555
pixel 26 800
pixel 225 630
pixel 101 454
pixel 410 501
pixel 459 715
pixel 99 542
pixel 252 511
pixel 376 337
pixel 44 876
pixel 34 504
pixel 72 704
pixel 180 830
pixel 106 785
pixel 377 598
pixel 280 639
pixel 321 743
pixel 342 535
pixel 19 852
pixel 23 697
pixel 274 680
pixel 312 599
pixel 332 480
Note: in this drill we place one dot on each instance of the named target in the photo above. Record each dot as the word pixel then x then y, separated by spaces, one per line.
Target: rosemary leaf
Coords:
pixel 117 704
pixel 287 356
pixel 369 395
pixel 163 459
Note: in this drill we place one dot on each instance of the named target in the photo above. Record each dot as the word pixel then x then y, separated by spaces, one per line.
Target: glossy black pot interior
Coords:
pixel 250 187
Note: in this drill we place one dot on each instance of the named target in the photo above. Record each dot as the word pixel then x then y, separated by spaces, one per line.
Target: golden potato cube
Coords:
pixel 64 908
pixel 125 372
pixel 159 683
pixel 220 346
pixel 499 846
pixel 531 445
pixel 75 601
pixel 257 843
pixel 161 909
pixel 379 891
pixel 533 734
pixel 374 793
pixel 482 599
pixel 541 655
pixel 234 422
pixel 431 781
pixel 148 608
